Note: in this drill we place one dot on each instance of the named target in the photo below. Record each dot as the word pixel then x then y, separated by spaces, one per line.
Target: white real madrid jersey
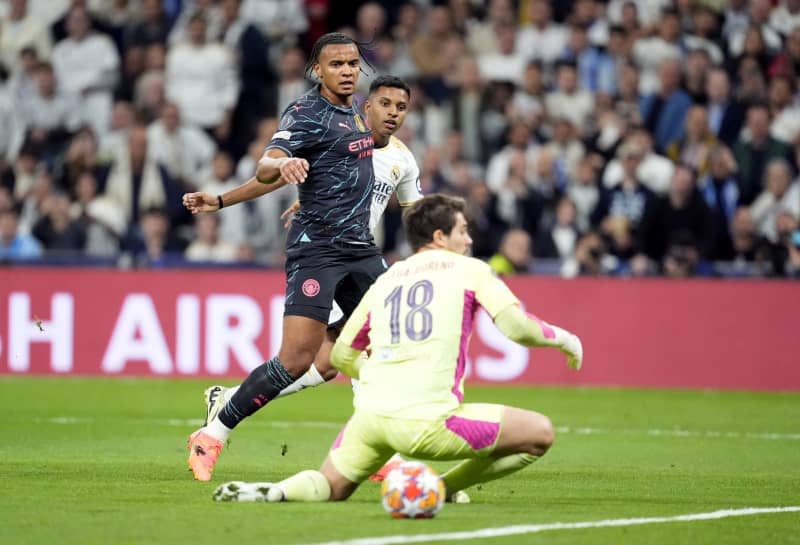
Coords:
pixel 395 170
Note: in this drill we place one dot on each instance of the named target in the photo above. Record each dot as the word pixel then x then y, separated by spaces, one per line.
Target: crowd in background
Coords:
pixel 618 137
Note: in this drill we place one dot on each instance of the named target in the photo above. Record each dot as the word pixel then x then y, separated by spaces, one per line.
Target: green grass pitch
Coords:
pixel 100 461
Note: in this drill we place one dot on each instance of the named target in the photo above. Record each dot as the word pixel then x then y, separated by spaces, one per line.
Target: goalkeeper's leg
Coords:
pixel 525 436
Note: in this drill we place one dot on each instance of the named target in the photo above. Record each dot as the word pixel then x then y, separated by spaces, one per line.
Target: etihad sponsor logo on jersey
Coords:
pixel 363 147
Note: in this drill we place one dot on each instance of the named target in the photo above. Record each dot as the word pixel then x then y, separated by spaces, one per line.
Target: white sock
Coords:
pixel 310 379
pixel 218 430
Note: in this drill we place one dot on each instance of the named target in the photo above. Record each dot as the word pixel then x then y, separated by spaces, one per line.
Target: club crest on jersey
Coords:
pixel 395 174
pixel 310 287
pixel 359 123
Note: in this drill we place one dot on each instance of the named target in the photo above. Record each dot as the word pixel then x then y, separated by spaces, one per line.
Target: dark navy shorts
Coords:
pixel 316 275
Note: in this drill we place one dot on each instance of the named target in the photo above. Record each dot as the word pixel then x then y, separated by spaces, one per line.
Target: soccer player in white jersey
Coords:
pixel 395 170
pixel 416 320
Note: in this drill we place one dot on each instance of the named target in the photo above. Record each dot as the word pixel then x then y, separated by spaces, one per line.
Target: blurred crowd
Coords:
pixel 590 137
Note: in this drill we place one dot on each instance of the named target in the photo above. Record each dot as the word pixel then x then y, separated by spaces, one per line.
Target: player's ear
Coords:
pixel 317 71
pixel 367 106
pixel 439 238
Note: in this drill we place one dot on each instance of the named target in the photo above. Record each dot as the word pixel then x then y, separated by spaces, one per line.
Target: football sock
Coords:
pixel 481 470
pixel 308 485
pixel 310 379
pixel 261 385
pixel 218 430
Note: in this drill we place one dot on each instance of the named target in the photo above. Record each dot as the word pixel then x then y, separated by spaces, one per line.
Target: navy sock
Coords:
pixel 261 385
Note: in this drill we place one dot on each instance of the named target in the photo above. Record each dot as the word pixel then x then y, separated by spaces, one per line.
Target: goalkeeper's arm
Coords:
pixel 346 359
pixel 531 331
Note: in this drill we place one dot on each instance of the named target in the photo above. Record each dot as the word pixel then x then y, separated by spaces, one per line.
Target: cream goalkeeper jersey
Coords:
pixel 417 319
pixel 395 170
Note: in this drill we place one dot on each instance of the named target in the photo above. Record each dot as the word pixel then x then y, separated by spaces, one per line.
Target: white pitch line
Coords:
pixel 319 424
pixel 536 528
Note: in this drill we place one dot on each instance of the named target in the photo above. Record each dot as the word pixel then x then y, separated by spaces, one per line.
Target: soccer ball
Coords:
pixel 412 490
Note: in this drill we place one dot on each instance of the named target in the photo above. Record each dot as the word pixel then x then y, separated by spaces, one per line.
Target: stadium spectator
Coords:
pixel 278 20
pixel 24 172
pixel 681 211
pixel 514 255
pixel 787 62
pixel 208 246
pixel 151 243
pixel 21 81
pixel 695 72
pixel 591 258
pixel 56 230
pixel 542 39
pixel 209 10
pixel 682 259
pixel 201 80
pixel 21 30
pixel 92 81
pixel 82 155
pixel 597 71
pixel 292 82
pixel 750 251
pixel 252 53
pixel 704 34
pixel 653 53
pixel 568 99
pixel 725 115
pixel 720 189
pixel 49 116
pixel 465 108
pixel 15 245
pixel 151 27
pixel 785 17
pixel 758 25
pixel 218 180
pixel 183 150
pixel 629 198
pixel 558 239
pixel 137 182
pixel 784 109
pixel 663 112
pixel 698 140
pixel 32 206
pixel 507 64
pixel 754 149
pixel 780 195
pixel 654 170
pixel 628 98
pixel 584 192
pixel 481 35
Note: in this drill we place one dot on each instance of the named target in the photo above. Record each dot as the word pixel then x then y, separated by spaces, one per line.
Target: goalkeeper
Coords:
pixel 416 320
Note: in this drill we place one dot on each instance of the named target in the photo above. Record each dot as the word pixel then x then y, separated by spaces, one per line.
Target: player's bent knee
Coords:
pixel 543 434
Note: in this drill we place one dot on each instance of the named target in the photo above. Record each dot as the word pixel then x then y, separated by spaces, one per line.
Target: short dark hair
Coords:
pixel 389 81
pixel 429 214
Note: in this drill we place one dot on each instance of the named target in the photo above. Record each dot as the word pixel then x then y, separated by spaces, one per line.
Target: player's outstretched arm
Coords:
pixel 275 164
pixel 529 330
pixel 202 201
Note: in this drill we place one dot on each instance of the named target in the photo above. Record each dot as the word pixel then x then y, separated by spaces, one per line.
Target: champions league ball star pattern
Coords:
pixel 412 490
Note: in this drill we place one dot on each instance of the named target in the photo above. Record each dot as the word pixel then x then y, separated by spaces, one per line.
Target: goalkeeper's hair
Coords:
pixel 332 38
pixel 430 214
